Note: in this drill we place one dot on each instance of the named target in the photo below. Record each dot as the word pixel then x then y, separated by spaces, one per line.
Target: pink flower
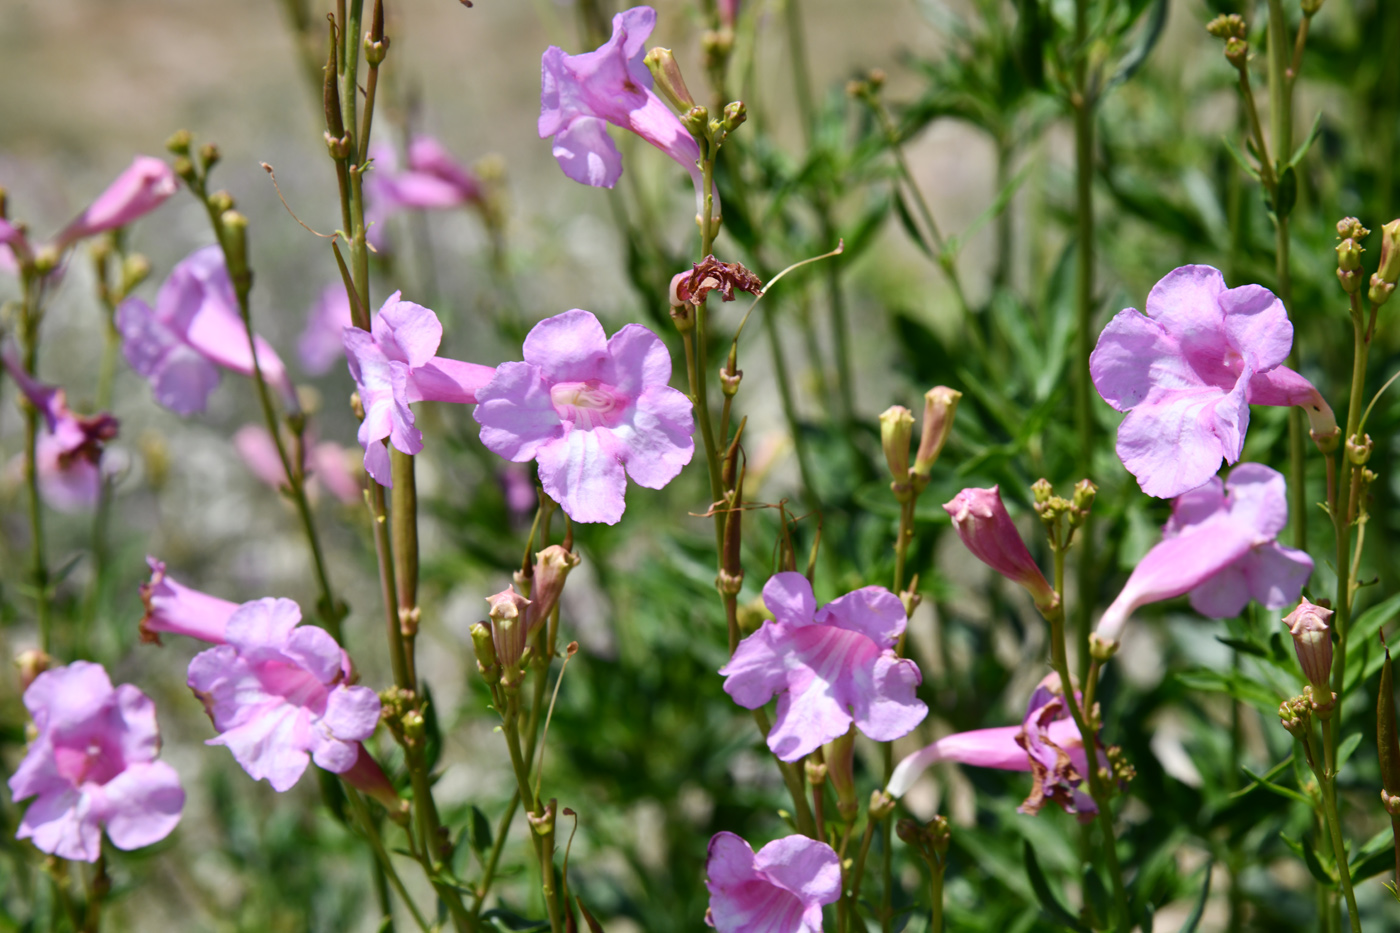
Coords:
pixel 434 180
pixel 93 765
pixel 173 607
pixel 586 407
pixel 982 522
pixel 394 365
pixel 322 342
pixel 68 453
pixel 195 329
pixel 828 667
pixel 728 12
pixel 581 94
pixel 325 464
pixel 779 889
pixel 140 189
pixel 278 695
pixel 1047 743
pixel 1219 546
pixel 1188 370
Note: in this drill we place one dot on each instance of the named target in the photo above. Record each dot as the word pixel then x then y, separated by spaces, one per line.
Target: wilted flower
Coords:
pixel 587 408
pixel 1219 546
pixel 981 520
pixel 93 766
pixel 779 889
pixel 195 329
pixel 1188 370
pixel 828 667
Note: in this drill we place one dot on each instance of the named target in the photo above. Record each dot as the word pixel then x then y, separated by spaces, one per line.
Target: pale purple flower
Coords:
pixel 828 667
pixel 180 610
pixel 92 766
pixel 581 94
pixel 142 188
pixel 1219 546
pixel 592 411
pixel 325 464
pixel 322 341
pixel 194 329
pixel 1047 744
pixel 981 520
pixel 779 889
pixel 330 465
pixel 279 695
pixel 394 364
pixel 68 451
pixel 1188 370
pixel 434 180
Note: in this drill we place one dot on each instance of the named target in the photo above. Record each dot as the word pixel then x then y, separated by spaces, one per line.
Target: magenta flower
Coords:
pixel 278 694
pixel 1219 546
pixel 394 364
pixel 140 189
pixel 581 94
pixel 1047 744
pixel 779 889
pixel 982 522
pixel 195 329
pixel 587 407
pixel 93 766
pixel 322 340
pixel 68 452
pixel 173 607
pixel 828 667
pixel 1188 370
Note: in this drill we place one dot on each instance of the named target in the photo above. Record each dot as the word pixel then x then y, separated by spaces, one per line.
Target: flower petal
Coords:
pixel 587 154
pixel 406 331
pixel 516 414
pixel 352 713
pixel 657 436
pixel 1257 325
pixel 884 704
pixel 1174 441
pixel 1276 574
pixel 63 824
pixel 788 595
pixel 447 380
pixel 985 748
pixel 806 867
pixel 142 805
pixel 569 347
pixel 873 611
pixel 583 472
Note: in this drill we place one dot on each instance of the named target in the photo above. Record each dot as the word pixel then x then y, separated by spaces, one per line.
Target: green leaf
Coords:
pixel 1363 631
pixel 906 220
pixel 593 925
pixel 1194 918
pixel 1277 788
pixel 1287 193
pixel 432 731
pixel 1376 856
pixel 510 922
pixel 1315 866
pixel 479 830
pixel 1137 55
pixel 1234 683
pixel 1346 748
pixel 1048 902
pixel 1243 644
pixel 998 205
pixel 1306 144
pixel 1239 158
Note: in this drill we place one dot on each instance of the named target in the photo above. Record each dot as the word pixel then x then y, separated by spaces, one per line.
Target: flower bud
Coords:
pixel 881 805
pixel 840 768
pixel 135 269
pixel 1226 27
pixel 1312 640
pixel 1237 52
pixel 179 143
pixel 670 83
pixel 367 777
pixel 31 664
pixel 697 120
pixel 508 628
pixel 1380 290
pixel 486 661
pixel 1310 7
pixel 940 405
pixel 1389 269
pixel 896 432
pixel 735 113
pixel 981 520
pixel 1349 255
pixel 1386 737
pixel 233 232
pixel 209 156
pixel 552 566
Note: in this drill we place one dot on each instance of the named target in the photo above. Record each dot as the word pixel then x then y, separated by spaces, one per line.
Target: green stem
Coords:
pixel 935 891
pixel 29 342
pixel 802 812
pixel 1342 506
pixel 1084 308
pixel 404 535
pixel 1327 778
pixel 362 814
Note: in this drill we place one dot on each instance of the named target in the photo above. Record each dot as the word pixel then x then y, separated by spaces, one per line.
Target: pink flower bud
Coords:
pixel 985 527
pixel 508 610
pixel 367 777
pixel 1312 639
pixel 140 189
pixel 940 405
pixel 552 566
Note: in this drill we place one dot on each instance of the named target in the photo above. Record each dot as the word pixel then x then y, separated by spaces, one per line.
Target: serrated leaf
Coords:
pixel 1048 902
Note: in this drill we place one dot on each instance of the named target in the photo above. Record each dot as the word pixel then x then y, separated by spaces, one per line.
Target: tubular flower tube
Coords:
pixel 587 408
pixel 1220 547
pixel 395 364
pixel 142 188
pixel 322 341
pixel 326 464
pixel 981 520
pixel 1187 371
pixel 779 889
pixel 194 330
pixel 581 94
pixel 278 693
pixel 1047 744
pixel 92 766
pixel 175 608
pixel 828 667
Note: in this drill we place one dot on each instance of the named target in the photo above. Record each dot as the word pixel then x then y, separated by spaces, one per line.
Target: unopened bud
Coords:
pixel 981 520
pixel 697 120
pixel 735 113
pixel 1359 452
pixel 881 805
pixel 1380 290
pixel 135 269
pixel 552 566
pixel 508 625
pixel 184 168
pixel 1312 640
pixel 1349 255
pixel 357 406
pixel 1351 227
pixel 486 661
pixel 209 156
pixel 896 434
pixel 940 406
pixel 221 201
pixel 1227 26
pixel 1391 802
pixel 1295 715
pixel 233 232
pixel 1389 269
pixel 31 664
pixel 179 143
pixel 669 81
pixel 1310 7
pixel 1041 492
pixel 1083 501
pixel 1237 52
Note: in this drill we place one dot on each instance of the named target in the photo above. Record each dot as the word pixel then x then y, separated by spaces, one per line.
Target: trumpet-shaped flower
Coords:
pixel 322 340
pixel 194 330
pixel 981 520
pixel 433 180
pixel 779 889
pixel 1220 547
pixel 279 695
pixel 325 464
pixel 92 766
pixel 180 610
pixel 1047 744
pixel 142 188
pixel 395 364
pixel 581 94
pixel 828 667
pixel 588 408
pixel 1188 370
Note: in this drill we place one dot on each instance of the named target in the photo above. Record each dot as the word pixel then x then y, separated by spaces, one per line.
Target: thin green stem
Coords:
pixel 802 812
pixel 1327 779
pixel 366 821
pixel 1341 505
pixel 935 893
pixel 30 314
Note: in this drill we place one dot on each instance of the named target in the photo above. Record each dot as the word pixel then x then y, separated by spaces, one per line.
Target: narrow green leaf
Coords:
pixel 1278 789
pixel 906 220
pixel 1315 866
pixel 1240 159
pixel 1048 902
pixel 1194 918
pixel 1306 144
pixel 1346 748
pixel 1243 644
pixel 593 925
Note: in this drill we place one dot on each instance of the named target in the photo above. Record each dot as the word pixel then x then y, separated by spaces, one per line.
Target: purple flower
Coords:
pixel 322 342
pixel 1047 744
pixel 173 607
pixel 140 189
pixel 1219 546
pixel 195 329
pixel 581 94
pixel 1188 370
pixel 68 453
pixel 434 180
pixel 981 520
pixel 278 695
pixel 586 407
pixel 325 464
pixel 779 889
pixel 93 765
pixel 394 365
pixel 828 667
